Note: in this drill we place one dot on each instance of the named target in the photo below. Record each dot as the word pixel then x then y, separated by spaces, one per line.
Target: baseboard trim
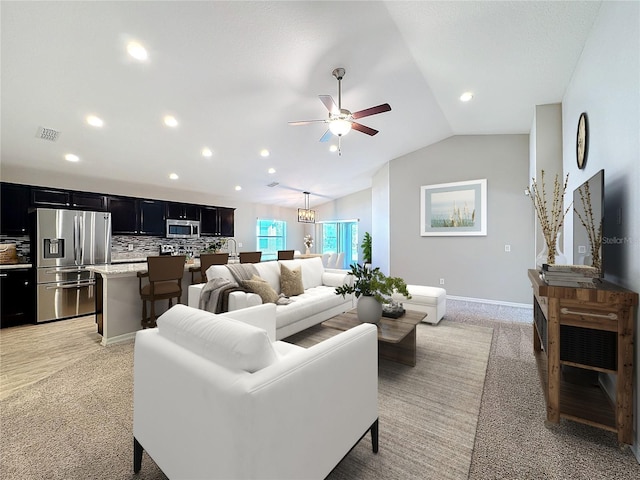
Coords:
pixel 491 302
pixel 118 339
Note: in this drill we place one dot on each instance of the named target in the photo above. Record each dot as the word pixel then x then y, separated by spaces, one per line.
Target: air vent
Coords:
pixel 273 184
pixel 47 134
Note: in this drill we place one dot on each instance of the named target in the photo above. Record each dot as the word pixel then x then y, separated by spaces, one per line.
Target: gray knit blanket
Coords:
pixel 242 271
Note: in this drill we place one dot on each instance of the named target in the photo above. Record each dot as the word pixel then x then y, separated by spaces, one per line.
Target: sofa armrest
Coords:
pixel 261 316
pixel 237 300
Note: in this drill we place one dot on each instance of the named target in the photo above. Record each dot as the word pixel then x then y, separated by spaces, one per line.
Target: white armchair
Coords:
pixel 200 413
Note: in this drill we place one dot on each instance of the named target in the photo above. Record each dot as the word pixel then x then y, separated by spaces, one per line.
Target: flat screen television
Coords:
pixel 588 222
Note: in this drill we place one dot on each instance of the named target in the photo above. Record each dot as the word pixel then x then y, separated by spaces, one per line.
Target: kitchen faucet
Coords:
pixel 235 247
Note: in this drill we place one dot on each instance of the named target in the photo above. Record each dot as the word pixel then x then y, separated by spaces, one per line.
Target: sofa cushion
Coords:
pixel 291 281
pixel 312 270
pixel 219 271
pixel 331 279
pixel 261 287
pixel 227 342
pixel 270 271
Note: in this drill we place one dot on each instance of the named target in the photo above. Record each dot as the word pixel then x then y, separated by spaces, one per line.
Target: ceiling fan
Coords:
pixel 341 120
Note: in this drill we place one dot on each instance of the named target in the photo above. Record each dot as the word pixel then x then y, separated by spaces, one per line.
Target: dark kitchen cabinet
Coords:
pixel 89 201
pixel 124 215
pixel 183 211
pixel 48 197
pixel 217 221
pixel 18 296
pixel 14 202
pixel 152 217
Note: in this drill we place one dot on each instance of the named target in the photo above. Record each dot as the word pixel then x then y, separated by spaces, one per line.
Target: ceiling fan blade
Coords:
pixel 329 103
pixel 363 128
pixel 327 135
pixel 385 107
pixel 306 122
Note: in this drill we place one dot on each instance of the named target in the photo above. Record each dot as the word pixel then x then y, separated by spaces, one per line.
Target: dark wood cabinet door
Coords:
pixel 47 197
pixel 14 201
pixel 152 217
pixel 217 221
pixel 89 201
pixel 183 211
pixel 18 297
pixel 124 215
pixel 227 222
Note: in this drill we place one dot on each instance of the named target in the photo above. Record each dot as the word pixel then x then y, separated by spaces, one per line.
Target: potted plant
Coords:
pixel 366 248
pixel 374 287
pixel 216 245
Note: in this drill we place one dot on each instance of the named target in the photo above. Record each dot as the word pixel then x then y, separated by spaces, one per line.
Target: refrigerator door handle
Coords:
pixel 81 238
pixel 69 286
pixel 75 239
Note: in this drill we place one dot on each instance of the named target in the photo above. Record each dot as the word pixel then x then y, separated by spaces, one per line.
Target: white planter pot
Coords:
pixel 369 309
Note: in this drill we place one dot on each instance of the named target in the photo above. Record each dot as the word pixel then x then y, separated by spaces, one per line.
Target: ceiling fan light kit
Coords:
pixel 341 120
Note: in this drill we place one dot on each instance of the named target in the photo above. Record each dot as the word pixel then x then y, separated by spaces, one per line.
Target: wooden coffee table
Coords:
pixel 396 336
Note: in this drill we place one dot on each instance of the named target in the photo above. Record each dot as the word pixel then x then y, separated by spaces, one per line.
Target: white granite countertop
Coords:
pixel 129 269
pixel 15 265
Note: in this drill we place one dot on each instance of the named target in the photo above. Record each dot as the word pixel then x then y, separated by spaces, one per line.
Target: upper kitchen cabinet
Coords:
pixel 49 197
pixel 152 217
pixel 217 221
pixel 89 201
pixel 14 203
pixel 183 211
pixel 124 215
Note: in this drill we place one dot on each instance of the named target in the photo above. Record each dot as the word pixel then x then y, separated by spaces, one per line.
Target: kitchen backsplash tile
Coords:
pixel 143 246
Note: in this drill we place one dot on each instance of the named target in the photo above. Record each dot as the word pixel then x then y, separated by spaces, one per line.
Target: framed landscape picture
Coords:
pixel 454 209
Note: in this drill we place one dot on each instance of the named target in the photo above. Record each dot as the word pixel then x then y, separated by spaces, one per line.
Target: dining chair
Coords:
pixel 331 261
pixel 165 282
pixel 206 260
pixel 285 254
pixel 250 257
pixel 339 263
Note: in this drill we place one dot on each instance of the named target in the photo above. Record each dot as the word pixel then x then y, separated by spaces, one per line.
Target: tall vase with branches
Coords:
pixel 588 222
pixel 551 219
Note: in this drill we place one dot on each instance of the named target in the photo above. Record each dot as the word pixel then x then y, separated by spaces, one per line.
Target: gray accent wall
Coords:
pixel 472 267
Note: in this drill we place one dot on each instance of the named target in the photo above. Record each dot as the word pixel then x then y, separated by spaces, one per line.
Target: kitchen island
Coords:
pixel 119 306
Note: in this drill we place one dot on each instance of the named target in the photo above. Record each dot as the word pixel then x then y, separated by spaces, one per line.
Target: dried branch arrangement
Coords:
pixel 588 222
pixel 550 219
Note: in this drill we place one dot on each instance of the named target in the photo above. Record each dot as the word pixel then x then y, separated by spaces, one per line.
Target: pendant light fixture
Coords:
pixel 306 215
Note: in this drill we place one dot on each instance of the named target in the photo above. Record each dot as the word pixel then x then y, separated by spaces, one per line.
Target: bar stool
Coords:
pixel 206 260
pixel 285 254
pixel 165 282
pixel 250 257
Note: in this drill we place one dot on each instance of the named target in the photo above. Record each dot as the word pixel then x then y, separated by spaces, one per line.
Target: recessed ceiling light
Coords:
pixel 206 152
pixel 94 121
pixel 70 157
pixel 137 51
pixel 333 148
pixel 272 170
pixel 264 152
pixel 238 188
pixel 466 96
pixel 170 121
pixel 173 176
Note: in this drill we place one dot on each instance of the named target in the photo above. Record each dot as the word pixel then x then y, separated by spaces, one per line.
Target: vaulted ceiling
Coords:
pixel 233 74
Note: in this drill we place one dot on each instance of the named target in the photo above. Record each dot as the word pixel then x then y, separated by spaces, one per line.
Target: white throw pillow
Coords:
pixel 270 271
pixel 230 343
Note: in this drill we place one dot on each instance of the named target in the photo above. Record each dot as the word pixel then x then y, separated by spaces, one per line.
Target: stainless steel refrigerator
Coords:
pixel 66 242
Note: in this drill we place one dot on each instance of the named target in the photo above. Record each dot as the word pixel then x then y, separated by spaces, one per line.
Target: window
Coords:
pixel 341 236
pixel 271 236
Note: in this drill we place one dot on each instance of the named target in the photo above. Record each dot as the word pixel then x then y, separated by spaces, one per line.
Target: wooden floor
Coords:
pixel 29 353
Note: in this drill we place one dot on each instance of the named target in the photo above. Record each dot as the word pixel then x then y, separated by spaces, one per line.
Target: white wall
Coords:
pixel 606 85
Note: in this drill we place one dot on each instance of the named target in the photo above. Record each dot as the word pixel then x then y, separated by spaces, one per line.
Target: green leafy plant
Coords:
pixel 372 283
pixel 216 245
pixel 366 248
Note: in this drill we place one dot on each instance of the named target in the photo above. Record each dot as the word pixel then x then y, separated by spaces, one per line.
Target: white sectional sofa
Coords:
pixel 317 304
pixel 215 398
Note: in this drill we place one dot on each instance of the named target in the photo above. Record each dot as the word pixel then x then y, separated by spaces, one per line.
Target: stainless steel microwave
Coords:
pixel 183 229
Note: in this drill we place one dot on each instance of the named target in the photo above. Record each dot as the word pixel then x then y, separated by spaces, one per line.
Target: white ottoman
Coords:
pixel 431 300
